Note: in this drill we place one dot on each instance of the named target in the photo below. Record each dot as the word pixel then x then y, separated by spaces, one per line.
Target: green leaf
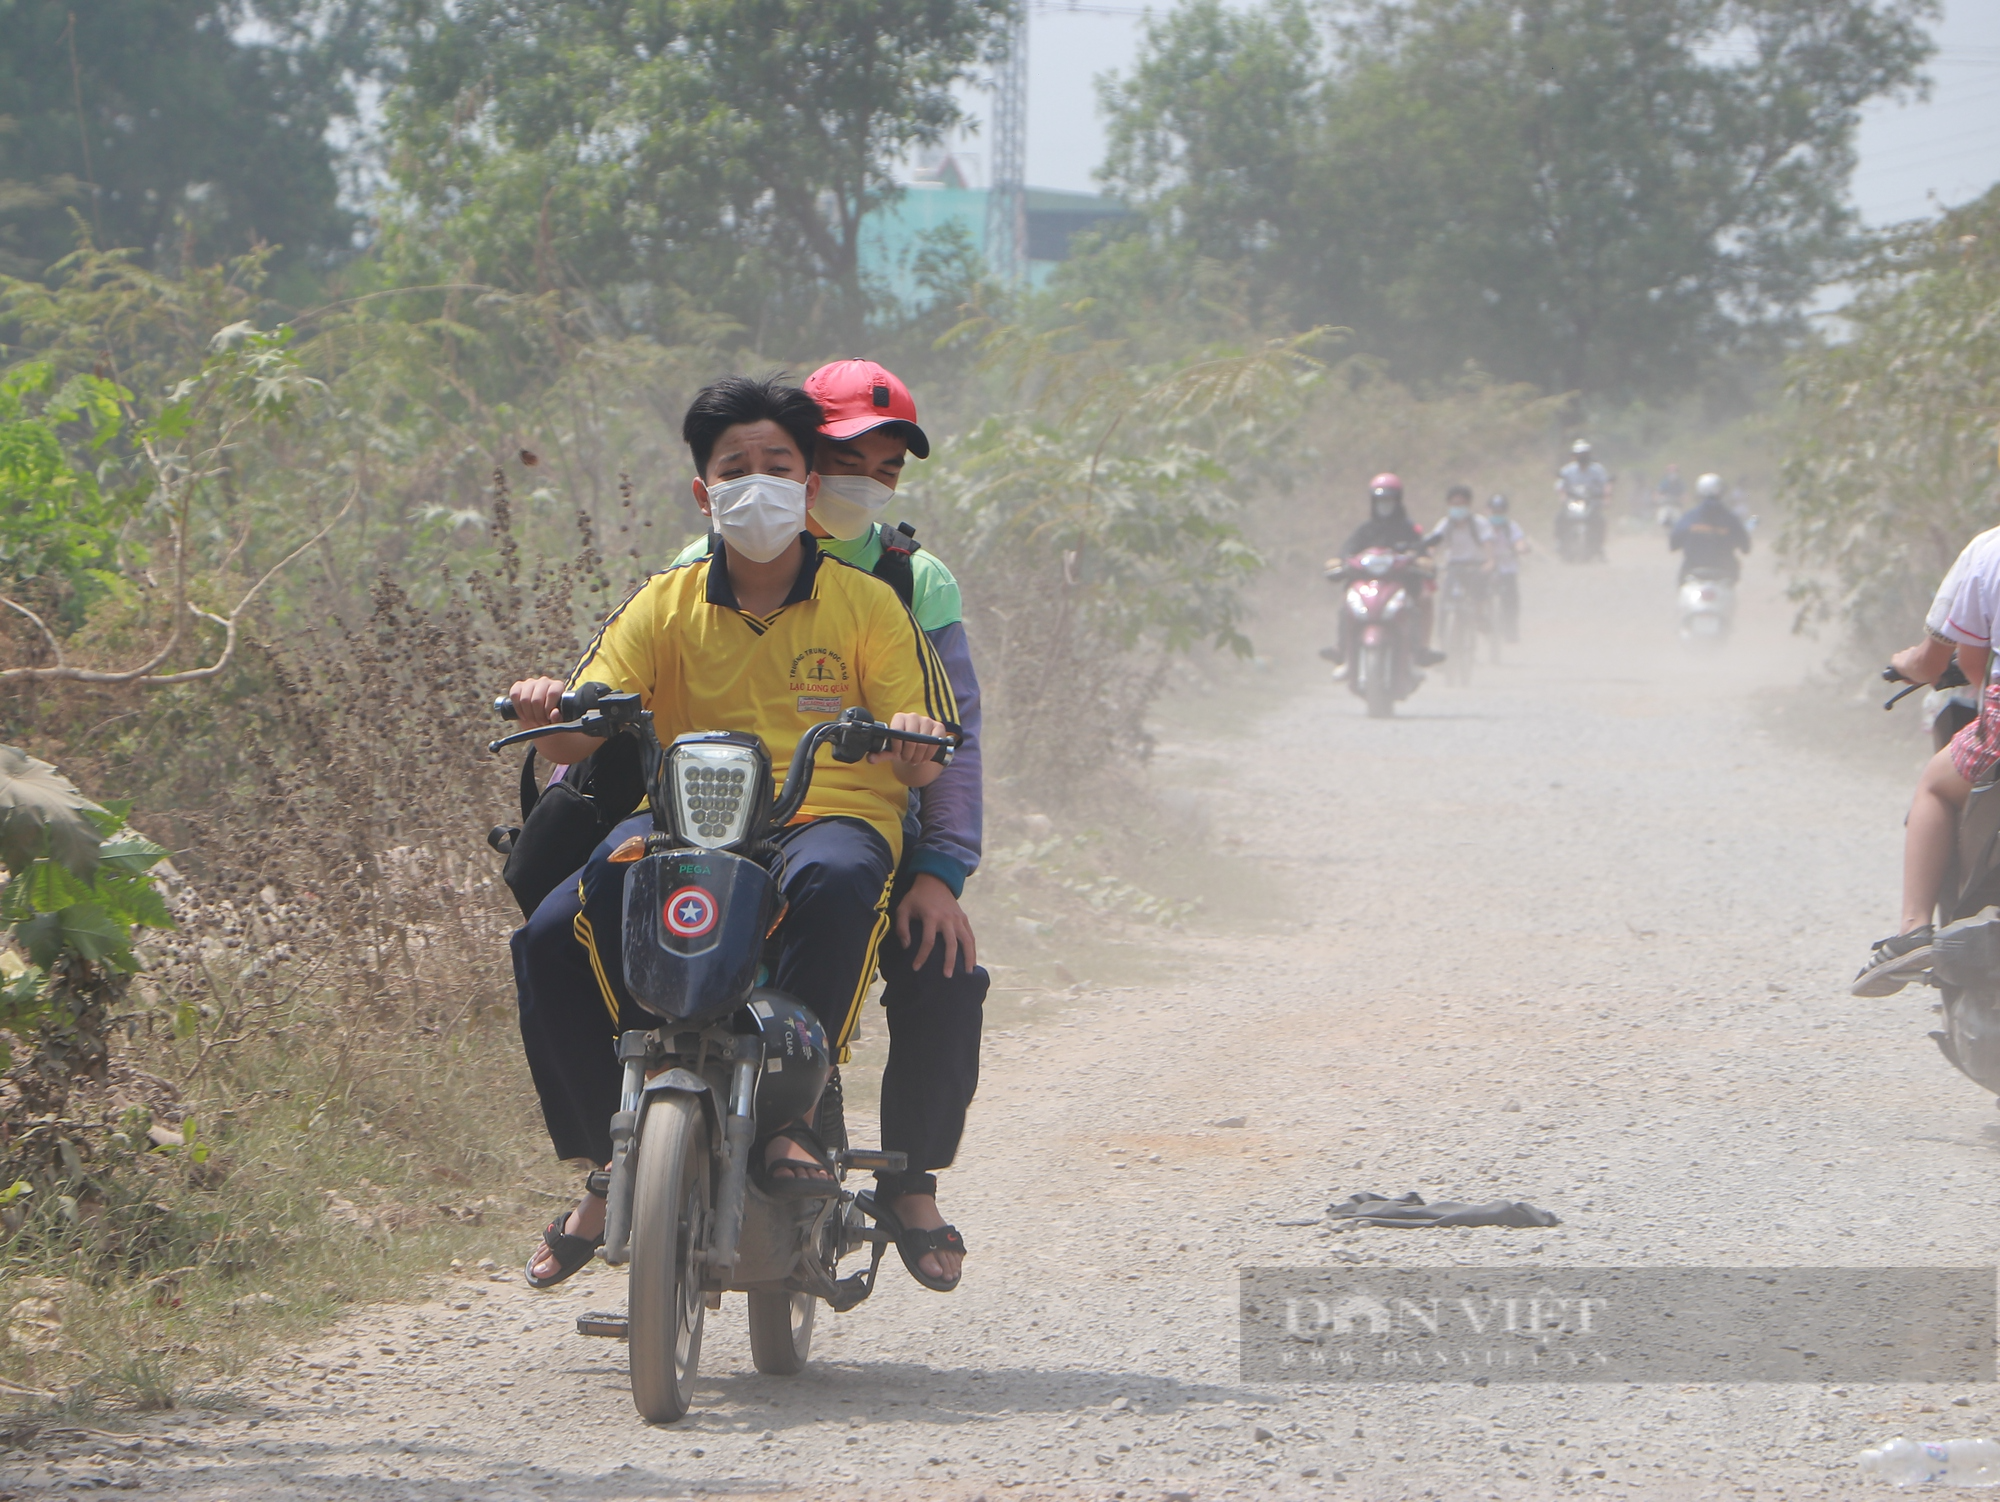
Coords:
pixel 22 1000
pixel 93 933
pixel 136 901
pixel 130 854
pixel 187 1020
pixel 175 420
pixel 51 889
pixel 42 813
pixel 41 938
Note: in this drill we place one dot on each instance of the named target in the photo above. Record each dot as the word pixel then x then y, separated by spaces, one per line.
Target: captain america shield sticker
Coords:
pixel 689 913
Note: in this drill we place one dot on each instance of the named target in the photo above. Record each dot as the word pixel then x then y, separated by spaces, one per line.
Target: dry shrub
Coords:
pixel 329 1033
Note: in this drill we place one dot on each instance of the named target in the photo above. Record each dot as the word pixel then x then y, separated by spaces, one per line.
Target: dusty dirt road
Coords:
pixel 1577 934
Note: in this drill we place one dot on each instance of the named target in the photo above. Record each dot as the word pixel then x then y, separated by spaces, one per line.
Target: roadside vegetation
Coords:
pixel 288 491
pixel 1894 431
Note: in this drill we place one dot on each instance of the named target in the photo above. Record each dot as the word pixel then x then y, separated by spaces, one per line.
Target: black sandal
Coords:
pixel 913 1243
pixel 572 1253
pixel 800 1180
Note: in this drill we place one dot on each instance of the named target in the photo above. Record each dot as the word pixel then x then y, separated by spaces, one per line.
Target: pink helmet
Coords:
pixel 1386 486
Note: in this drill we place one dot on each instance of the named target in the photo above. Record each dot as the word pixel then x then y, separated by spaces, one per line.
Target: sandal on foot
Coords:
pixel 572 1253
pixel 1894 963
pixel 913 1243
pixel 796 1178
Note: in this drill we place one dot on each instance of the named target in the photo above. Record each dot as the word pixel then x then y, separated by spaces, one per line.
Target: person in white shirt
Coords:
pixel 1510 542
pixel 1461 532
pixel 1960 625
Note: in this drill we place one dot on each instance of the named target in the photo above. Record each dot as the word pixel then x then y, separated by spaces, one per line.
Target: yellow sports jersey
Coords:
pixel 699 661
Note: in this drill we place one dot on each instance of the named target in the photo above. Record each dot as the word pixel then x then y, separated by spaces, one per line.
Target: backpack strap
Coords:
pixel 530 794
pixel 893 568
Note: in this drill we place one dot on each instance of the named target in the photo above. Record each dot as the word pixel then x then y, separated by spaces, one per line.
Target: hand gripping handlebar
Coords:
pixel 1951 677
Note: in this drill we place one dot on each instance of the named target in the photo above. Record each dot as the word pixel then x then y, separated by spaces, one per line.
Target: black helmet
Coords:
pixel 797 1059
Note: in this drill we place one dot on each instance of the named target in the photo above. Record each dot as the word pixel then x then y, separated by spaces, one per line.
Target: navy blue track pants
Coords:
pixel 569 971
pixel 933 1068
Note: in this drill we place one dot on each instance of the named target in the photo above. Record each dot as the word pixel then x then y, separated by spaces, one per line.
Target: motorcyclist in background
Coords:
pixel 1710 536
pixel 1510 541
pixel 1583 478
pixel 1388 525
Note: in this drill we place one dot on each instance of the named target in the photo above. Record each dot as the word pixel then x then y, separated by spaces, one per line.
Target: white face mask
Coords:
pixel 758 515
pixel 847 505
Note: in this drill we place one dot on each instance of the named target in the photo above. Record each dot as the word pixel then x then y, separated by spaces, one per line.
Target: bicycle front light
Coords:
pixel 719 786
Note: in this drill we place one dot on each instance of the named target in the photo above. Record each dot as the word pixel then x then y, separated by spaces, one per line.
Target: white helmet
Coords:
pixel 1709 487
pixel 1580 447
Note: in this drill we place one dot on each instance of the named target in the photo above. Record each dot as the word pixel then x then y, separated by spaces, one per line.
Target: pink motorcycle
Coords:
pixel 1380 625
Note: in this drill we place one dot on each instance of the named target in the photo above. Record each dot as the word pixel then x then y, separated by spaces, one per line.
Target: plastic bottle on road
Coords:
pixel 1956 1462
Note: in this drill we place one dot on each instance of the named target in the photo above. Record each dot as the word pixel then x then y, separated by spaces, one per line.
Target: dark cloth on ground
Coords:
pixel 570 976
pixel 1409 1212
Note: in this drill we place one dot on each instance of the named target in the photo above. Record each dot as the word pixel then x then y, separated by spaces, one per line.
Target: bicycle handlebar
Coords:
pixel 593 710
pixel 589 709
pixel 1952 677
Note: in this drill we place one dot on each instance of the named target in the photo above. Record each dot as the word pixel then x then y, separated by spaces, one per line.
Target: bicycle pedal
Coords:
pixel 610 1326
pixel 873 1158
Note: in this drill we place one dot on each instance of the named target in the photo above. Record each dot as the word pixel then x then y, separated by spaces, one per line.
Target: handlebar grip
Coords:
pixel 1890 675
pixel 504 707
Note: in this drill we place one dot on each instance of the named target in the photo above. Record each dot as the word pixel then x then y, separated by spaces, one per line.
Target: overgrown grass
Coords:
pixel 328 1159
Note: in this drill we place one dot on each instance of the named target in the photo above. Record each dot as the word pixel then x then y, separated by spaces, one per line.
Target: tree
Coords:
pixel 1216 126
pixel 177 451
pixel 1605 195
pixel 59 532
pixel 1891 453
pixel 718 154
pixel 166 129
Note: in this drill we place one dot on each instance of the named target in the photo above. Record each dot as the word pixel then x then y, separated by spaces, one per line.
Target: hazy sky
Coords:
pixel 1948 146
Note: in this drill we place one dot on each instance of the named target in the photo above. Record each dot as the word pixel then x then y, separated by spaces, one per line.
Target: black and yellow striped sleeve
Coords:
pixel 902 673
pixel 623 651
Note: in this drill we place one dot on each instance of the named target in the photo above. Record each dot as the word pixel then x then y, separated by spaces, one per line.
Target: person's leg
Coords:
pixel 835 874
pixel 1929 843
pixel 569 978
pixel 929 1080
pixel 1930 839
pixel 1426 654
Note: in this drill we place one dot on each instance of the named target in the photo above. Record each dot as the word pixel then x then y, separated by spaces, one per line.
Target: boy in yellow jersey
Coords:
pixel 934 990
pixel 768 636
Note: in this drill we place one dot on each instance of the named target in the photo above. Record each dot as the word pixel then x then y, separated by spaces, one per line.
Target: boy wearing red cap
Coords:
pixel 934 992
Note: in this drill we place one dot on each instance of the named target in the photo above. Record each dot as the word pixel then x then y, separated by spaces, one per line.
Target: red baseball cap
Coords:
pixel 859 396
